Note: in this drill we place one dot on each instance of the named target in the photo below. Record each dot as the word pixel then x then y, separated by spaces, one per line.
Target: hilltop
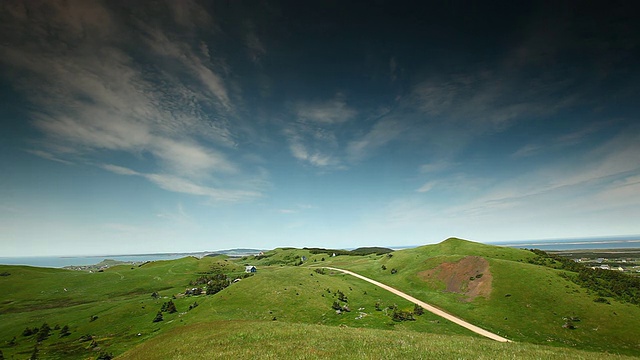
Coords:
pixel 503 290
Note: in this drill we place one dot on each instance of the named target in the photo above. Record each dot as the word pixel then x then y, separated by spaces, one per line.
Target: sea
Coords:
pixel 62 261
pixel 620 242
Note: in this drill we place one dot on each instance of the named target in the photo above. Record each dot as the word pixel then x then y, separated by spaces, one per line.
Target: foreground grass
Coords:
pixel 276 340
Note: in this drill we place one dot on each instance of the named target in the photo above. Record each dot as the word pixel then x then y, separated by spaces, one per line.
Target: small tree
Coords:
pixel 158 317
pixel 104 356
pixel 65 331
pixel 43 333
pixel 418 310
pixel 336 306
pixel 34 354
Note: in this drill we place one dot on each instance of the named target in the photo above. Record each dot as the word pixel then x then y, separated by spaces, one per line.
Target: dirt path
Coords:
pixel 428 307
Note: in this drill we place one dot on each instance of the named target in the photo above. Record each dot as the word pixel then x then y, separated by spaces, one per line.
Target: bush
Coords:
pixel 402 315
pixel 336 306
pixel 65 331
pixel 384 267
pixel 104 356
pixel 158 317
pixel 169 307
pixel 418 310
pixel 43 333
pixel 602 300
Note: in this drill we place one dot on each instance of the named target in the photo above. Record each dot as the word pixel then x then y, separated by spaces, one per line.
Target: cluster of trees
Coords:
pixel 615 284
pixel 214 284
pixel 168 307
pixel 43 332
pixel 337 304
pixel 356 252
pixel 401 315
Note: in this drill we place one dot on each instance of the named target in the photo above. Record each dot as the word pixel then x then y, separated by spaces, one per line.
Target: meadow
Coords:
pixel 287 309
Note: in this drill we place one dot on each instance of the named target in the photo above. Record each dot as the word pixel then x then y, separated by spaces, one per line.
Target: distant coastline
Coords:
pixel 62 261
pixel 619 242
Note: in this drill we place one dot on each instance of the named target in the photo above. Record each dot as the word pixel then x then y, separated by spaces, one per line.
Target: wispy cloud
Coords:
pixel 332 111
pixel 426 187
pixel 383 132
pixel 182 185
pixel 170 101
pixel 312 136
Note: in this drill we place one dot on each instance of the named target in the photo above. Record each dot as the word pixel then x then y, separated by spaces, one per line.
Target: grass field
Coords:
pixel 286 309
pixel 273 340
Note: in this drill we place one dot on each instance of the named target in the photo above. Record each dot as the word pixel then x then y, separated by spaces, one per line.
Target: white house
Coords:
pixel 250 269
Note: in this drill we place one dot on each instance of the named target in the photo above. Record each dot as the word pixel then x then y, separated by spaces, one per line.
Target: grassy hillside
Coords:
pixel 526 303
pixel 493 287
pixel 271 340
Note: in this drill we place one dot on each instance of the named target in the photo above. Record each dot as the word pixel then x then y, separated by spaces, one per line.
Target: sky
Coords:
pixel 177 126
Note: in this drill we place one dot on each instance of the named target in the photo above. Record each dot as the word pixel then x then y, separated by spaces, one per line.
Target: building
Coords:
pixel 250 269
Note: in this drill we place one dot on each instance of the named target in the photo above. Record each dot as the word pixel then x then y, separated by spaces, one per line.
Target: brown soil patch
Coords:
pixel 469 276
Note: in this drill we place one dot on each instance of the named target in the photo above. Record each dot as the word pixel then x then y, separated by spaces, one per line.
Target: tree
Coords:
pixel 1 355
pixel 104 356
pixel 34 354
pixel 169 307
pixel 65 331
pixel 28 332
pixel 43 333
pixel 158 317
pixel 418 310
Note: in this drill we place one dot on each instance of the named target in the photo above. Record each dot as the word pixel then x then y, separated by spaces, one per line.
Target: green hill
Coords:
pixel 521 301
pixel 291 308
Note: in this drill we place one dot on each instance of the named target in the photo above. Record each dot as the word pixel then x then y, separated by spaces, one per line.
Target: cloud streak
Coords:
pixel 91 96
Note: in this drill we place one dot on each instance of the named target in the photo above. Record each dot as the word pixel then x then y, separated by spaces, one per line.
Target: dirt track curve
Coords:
pixel 428 307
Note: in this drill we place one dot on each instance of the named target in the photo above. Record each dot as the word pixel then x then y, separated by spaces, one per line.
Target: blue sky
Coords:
pixel 185 126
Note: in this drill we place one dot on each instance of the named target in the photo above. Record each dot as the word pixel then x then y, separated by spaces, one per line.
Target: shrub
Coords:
pixel 169 307
pixel 602 300
pixel 393 271
pixel 104 356
pixel 43 333
pixel 65 331
pixel 402 315
pixel 418 310
pixel 34 354
pixel 336 306
pixel 158 317
pixel 384 267
pixel 28 332
pixel 93 318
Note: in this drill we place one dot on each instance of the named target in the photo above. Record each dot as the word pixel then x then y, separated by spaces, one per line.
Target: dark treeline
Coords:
pixel 356 252
pixel 609 283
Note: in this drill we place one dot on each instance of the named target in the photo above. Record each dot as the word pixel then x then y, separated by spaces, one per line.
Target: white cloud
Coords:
pixel 426 187
pixel 328 112
pixel 383 132
pixel 185 186
pixel 92 99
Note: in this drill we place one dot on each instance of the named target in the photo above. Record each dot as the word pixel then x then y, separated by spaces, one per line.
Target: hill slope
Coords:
pixel 516 299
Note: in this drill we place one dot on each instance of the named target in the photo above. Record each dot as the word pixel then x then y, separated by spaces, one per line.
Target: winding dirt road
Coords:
pixel 428 307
